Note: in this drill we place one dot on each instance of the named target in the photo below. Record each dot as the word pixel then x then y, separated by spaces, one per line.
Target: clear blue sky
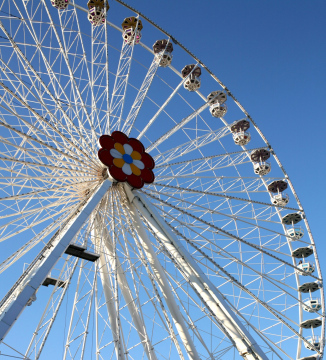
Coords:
pixel 272 56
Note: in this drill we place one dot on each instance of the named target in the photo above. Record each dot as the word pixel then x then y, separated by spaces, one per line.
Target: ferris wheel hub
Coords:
pixel 126 159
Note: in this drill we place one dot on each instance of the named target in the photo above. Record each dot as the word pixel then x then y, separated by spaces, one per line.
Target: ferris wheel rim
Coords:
pixel 222 86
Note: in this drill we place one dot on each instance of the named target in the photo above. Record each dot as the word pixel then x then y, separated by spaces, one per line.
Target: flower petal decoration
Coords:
pixel 126 159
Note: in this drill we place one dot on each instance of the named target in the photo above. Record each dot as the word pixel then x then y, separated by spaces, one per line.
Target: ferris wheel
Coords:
pixel 143 213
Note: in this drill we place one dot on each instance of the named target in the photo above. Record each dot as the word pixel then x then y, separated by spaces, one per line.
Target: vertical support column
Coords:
pixel 163 283
pixel 12 305
pixel 133 113
pixel 120 84
pixel 232 327
pixel 126 292
pixel 107 290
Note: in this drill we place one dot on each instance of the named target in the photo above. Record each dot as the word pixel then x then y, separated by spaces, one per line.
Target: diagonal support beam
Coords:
pixel 12 305
pixel 163 282
pixel 120 84
pixel 133 113
pixel 232 327
pixel 125 290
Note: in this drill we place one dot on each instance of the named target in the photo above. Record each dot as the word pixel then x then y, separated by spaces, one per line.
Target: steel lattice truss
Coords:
pixel 199 264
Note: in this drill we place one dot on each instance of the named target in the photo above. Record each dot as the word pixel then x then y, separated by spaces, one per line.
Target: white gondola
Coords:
pixel 239 131
pixel 96 16
pixel 132 27
pixel 280 199
pixel 218 110
pixel 259 157
pixel 262 168
pixel 163 52
pixel 97 11
pixel 241 138
pixel 296 233
pixel 216 99
pixel 315 341
pixel 164 58
pixel 312 305
pixel 60 4
pixel 192 83
pixel 307 267
pixel 129 35
pixel 191 74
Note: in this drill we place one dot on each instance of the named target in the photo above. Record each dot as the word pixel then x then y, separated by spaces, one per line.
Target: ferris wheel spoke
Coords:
pixel 205 211
pixel 108 271
pixel 135 311
pixel 180 285
pixel 82 71
pixel 280 317
pixel 222 184
pixel 134 308
pixel 80 315
pixel 229 278
pixel 44 179
pixel 32 140
pixel 54 192
pixel 228 161
pixel 52 308
pixel 177 127
pixel 18 296
pixel 192 324
pixel 162 108
pixel 156 297
pixel 259 248
pixel 32 215
pixel 11 259
pixel 7 234
pixel 207 159
pixel 220 252
pixel 187 147
pixel 30 196
pixel 235 310
pixel 213 300
pixel 110 318
pixel 45 125
pixel 62 45
pixel 40 167
pixel 180 189
pixel 120 83
pixel 22 84
pixel 141 95
pixel 164 284
pixel 32 74
pixel 100 76
pixel 36 155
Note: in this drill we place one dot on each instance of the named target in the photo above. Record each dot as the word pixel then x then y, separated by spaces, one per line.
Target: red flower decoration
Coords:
pixel 126 159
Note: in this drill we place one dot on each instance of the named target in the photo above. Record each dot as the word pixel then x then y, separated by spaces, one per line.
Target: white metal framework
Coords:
pixel 203 263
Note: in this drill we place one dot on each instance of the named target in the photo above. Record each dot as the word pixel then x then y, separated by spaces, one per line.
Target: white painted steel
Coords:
pixel 108 257
pixel 174 92
pixel 57 76
pixel 163 283
pixel 16 300
pixel 54 303
pixel 133 113
pixel 120 84
pixel 245 344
